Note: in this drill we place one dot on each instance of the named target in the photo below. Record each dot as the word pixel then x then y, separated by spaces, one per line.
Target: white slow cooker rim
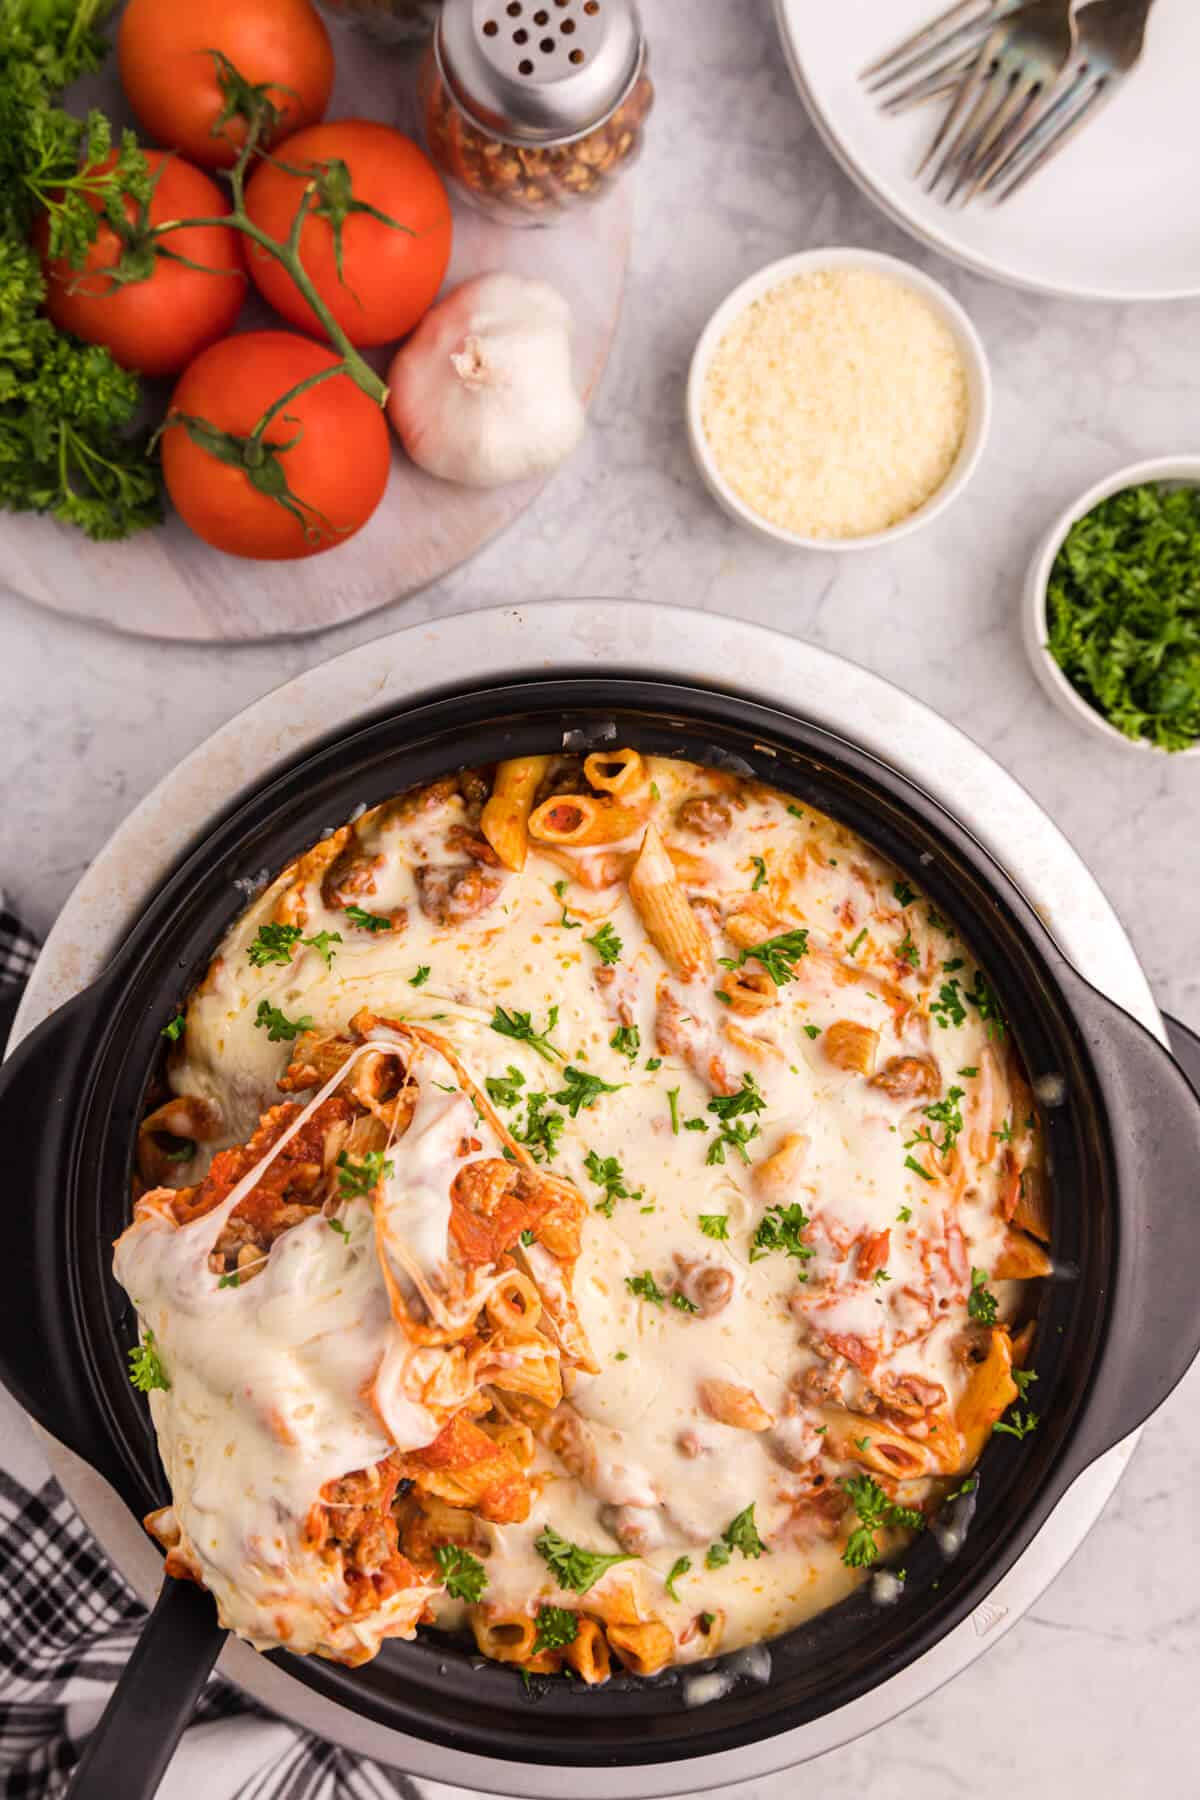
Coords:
pixel 672 643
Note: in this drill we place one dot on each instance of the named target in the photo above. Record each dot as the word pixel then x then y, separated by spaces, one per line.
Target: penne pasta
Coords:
pixel 644 1648
pixel 583 821
pixel 662 906
pixel 614 772
pixel 504 820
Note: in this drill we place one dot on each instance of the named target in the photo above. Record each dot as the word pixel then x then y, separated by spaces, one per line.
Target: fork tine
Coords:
pixel 1094 99
pixel 1011 116
pixel 922 37
pixel 962 100
pixel 940 80
pixel 965 116
pixel 992 107
pixel 958 43
pixel 1040 115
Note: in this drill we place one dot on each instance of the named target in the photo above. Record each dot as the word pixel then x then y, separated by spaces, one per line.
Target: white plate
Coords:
pixel 1114 217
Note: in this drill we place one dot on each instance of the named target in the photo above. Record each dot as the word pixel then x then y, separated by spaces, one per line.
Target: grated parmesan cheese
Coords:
pixel 836 404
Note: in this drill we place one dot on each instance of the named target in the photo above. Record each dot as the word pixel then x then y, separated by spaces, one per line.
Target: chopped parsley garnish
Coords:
pixel 504 1089
pixel 606 1172
pixel 903 893
pixel 233 1280
pixel 541 1130
pixel 673 1101
pixel 362 1178
pixel 627 1039
pixel 741 1533
pixel 145 1366
pixel 681 1303
pixel 861 1443
pixel 645 1287
pixel 953 963
pixel 910 1162
pixel 185 1149
pixel 1005 1132
pixel 679 1567
pixel 278 1025
pixel 606 944
pixel 797 812
pixel 1024 1379
pixel 583 1090
pixel 654 1062
pixel 733 1137
pixel 749 1098
pixel 904 1215
pixel 981 1302
pixel 812 1031
pixel 367 921
pixel 874 1510
pixel 779 1229
pixel 946 1113
pixel 982 997
pixel 421 976
pixel 715 1225
pixel 1019 1425
pixel 1123 612
pixel 620 1356
pixel 560 888
pixel 273 944
pixel 695 1125
pixel 777 955
pixel 321 942
pixel 948 1008
pixel 654 793
pixel 880 1276
pixel 173 1029
pixel 526 1239
pixel 938 923
pixel 969 1072
pixel 760 875
pixel 556 1627
pixel 572 1566
pixel 907 951
pixel 464 1575
pixel 519 1025
pixel 337 1225
pixel 853 949
pixel 967 1487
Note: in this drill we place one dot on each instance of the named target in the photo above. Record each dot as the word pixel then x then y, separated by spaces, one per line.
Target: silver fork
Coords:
pixel 1013 79
pixel 932 60
pixel 1110 38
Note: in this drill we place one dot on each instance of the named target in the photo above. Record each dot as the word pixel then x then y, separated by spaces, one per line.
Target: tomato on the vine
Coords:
pixel 377 274
pixel 307 482
pixel 154 303
pixel 185 96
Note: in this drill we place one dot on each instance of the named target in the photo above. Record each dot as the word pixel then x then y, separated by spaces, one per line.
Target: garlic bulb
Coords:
pixel 482 392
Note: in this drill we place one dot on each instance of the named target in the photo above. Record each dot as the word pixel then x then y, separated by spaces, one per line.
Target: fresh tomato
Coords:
pixel 157 323
pixel 179 89
pixel 327 451
pixel 389 272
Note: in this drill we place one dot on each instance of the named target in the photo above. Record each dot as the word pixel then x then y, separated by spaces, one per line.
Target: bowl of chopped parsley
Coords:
pixel 1112 608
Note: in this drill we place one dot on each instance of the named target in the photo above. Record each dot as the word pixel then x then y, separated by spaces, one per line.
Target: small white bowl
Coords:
pixel 808 262
pixel 1034 627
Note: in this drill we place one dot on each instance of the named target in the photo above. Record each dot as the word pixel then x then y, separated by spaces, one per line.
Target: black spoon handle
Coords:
pixel 128 1752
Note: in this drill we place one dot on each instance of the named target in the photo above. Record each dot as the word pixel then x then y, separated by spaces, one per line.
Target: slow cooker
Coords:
pixel 1119 1320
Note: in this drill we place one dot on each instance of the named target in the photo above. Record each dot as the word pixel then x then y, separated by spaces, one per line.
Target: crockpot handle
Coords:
pixel 1154 1316
pixel 136 1735
pixel 39 1359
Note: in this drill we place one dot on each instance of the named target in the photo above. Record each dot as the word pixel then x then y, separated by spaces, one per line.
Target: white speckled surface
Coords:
pixel 1093 1689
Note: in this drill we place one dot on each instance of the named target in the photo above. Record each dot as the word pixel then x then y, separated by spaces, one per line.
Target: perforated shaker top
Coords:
pixel 539 71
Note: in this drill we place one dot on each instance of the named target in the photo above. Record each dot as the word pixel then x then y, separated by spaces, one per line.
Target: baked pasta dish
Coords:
pixel 589 1205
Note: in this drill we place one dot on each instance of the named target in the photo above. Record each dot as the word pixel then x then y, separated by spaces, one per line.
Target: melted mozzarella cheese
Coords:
pixel 647 1458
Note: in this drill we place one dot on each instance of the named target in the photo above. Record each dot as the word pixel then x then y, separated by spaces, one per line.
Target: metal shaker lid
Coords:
pixel 538 71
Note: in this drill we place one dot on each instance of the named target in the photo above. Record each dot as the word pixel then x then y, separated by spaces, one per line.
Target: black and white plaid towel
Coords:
pixel 68 1622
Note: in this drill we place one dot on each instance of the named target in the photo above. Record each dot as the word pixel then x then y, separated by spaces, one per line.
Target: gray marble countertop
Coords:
pixel 1093 1690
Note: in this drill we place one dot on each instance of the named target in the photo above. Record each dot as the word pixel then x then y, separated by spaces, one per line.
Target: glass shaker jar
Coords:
pixel 532 107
